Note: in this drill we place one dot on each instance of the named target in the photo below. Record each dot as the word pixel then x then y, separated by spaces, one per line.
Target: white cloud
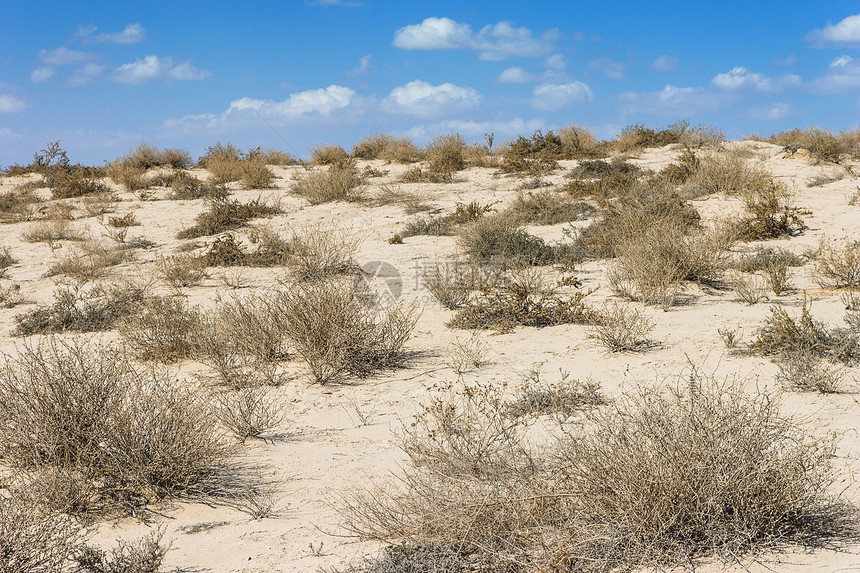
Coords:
pixel 86 74
pixel 11 104
pixel 42 74
pixel 664 63
pixel 309 104
pixel 364 67
pixel 555 62
pixel 673 101
pixel 152 68
pixel 848 30
pixel 740 78
pixel 553 97
pixel 63 56
pixel 516 75
pixel 421 99
pixel 493 42
pixel 774 111
pixel 132 34
pixel 843 75
pixel 841 62
pixel 609 67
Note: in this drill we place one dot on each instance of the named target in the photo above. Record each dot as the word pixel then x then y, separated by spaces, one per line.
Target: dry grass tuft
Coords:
pixel 330 155
pixel 51 232
pixel 337 183
pixel 387 148
pixel 161 329
pixel 655 479
pixel 621 328
pixel 225 215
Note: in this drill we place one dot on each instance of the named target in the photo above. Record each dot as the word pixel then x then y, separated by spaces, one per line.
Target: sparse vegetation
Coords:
pixel 225 215
pixel 783 335
pixel 161 328
pixel 621 328
pixel 337 183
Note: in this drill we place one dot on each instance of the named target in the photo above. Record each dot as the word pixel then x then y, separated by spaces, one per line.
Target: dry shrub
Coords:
pixel 255 174
pixel 19 205
pixel 749 291
pixel 534 155
pixel 243 340
pixel 99 204
pixel 724 172
pixel 270 250
pixel 222 161
pixel 185 186
pixel 838 265
pixel 225 215
pixel 249 413
pixel 600 169
pixel 564 398
pixel 578 142
pixel 147 156
pixel 131 436
pixel 162 329
pixel 778 277
pixel 522 298
pixel 804 371
pixel 656 479
pixel 497 238
pixel 319 251
pixel 783 335
pixel 337 183
pixel 51 232
pixel 546 208
pixel 467 355
pixel 445 155
pixel 75 181
pixel 330 155
pixel 387 148
pixel 446 224
pixel 181 270
pixel 270 156
pixel 764 257
pixel 822 144
pixel 6 260
pixel 453 283
pixel 621 328
pixel 81 309
pixel 129 176
pixel 91 261
pixel 770 212
pixel 334 330
pixel 142 556
pixel 34 539
pixel 636 137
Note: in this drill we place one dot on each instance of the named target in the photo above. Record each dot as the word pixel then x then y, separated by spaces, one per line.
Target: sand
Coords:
pixel 341 437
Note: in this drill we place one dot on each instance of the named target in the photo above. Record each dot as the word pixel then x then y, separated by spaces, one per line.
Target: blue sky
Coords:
pixel 104 76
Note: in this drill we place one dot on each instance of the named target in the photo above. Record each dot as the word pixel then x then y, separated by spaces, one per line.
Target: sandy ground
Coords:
pixel 341 437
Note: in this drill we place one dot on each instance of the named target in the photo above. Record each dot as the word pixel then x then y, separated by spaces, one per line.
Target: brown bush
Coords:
pixel 330 155
pixel 162 329
pixel 335 184
pixel 225 215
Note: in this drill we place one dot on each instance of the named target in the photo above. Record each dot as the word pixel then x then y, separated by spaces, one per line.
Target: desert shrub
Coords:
pixel 445 155
pixel 770 212
pixel 446 224
pixel 129 176
pixel 91 261
pixel 839 265
pixel 822 144
pixel 535 397
pixel 701 136
pixel 186 186
pixel 386 147
pixel 628 220
pixel 270 156
pixel 255 174
pixel 162 329
pixel 243 340
pixel 687 164
pixel 132 436
pixel 751 290
pixel 334 184
pixel 182 270
pixel 651 264
pixel 34 539
pixel 147 156
pixel 727 173
pixel 330 155
pixel 621 328
pixel 783 335
pixel 804 371
pixel 80 309
pixel 225 215
pixel 599 169
pixel 6 259
pixel 522 299
pixel 496 237
pixel 764 257
pixel 535 155
pixel 546 208
pixel 223 162
pixel 18 205
pixel 75 181
pixel 778 277
pixel 655 479
pixel 334 330
pixel 578 142
pixel 249 413
pixel 142 556
pixel 637 136
pixel 453 283
pixel 270 250
pixel 51 232
pixel 318 252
